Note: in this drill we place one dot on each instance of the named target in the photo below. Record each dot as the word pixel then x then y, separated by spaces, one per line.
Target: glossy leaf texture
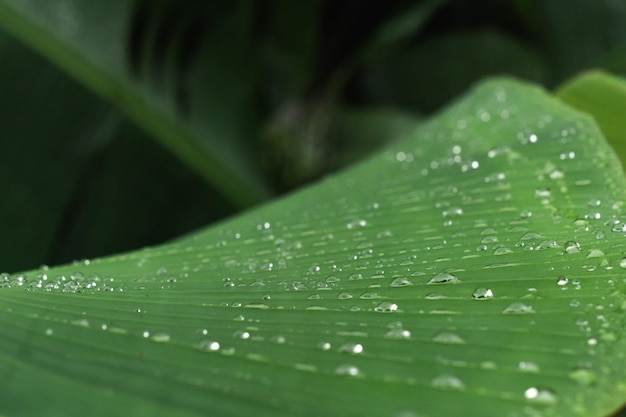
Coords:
pixel 474 267
pixel 155 61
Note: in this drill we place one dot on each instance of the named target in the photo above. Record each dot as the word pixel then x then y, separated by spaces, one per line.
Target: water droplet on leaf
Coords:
pixel 443 278
pixel 482 294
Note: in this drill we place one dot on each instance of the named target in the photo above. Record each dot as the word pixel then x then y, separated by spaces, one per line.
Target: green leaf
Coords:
pixel 156 61
pixel 604 97
pixel 64 207
pixel 474 267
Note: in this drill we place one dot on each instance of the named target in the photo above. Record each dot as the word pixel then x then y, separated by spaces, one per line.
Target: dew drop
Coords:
pixel 386 307
pixel 557 174
pixel 259 306
pixel 540 396
pixel 241 334
pixel 353 348
pixel 447 381
pixel 482 294
pixel 400 282
pixel 502 250
pixel 324 345
pixel 622 263
pixel 398 333
pixel 562 281
pixel 81 322
pixel 443 278
pixel 434 296
pixel 161 337
pixel 344 296
pixel 453 212
pixel 208 345
pixel 369 295
pixel 583 376
pixel 518 308
pixel 49 332
pixel 572 247
pixel 347 370
pixel 595 253
pixel 527 366
pixel 448 338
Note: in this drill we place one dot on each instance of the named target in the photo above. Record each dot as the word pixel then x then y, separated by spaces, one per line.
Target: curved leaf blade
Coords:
pixel 474 266
pixel 92 42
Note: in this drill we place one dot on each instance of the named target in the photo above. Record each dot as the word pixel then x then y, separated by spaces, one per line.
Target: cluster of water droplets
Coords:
pixel 76 282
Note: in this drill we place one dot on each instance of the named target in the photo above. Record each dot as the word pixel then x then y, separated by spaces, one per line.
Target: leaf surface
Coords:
pixel 474 267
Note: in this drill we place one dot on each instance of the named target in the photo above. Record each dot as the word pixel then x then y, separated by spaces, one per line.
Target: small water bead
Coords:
pixel 556 174
pixel 369 295
pixel 530 367
pixel 434 296
pixel 161 337
pixel 518 308
pixel 448 338
pixel 619 228
pixel 241 334
pixel 583 376
pixel 489 239
pixel 347 370
pixel 332 279
pixel 259 306
pixel 594 202
pixel 540 395
pixel 278 339
pixel 386 307
pixel 398 333
pixel 595 253
pixel 452 212
pixel 324 345
pixel 356 224
pixel 81 322
pixel 482 294
pixel 400 282
pixel 547 244
pixel 353 348
pixel 562 281
pixel 447 381
pixel 344 296
pixel 208 345
pixel 572 247
pixel 443 278
pixel 525 214
pixel 49 332
pixel 543 193
pixel 502 250
pixel 531 236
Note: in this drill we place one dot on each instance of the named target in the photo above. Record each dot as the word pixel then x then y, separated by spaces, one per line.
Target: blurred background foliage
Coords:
pixel 285 91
